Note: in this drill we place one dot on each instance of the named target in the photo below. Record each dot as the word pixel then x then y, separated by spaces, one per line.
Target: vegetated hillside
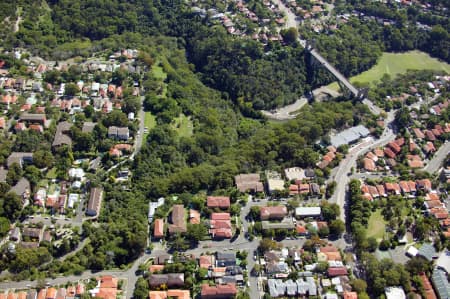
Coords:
pixel 252 79
pixel 224 142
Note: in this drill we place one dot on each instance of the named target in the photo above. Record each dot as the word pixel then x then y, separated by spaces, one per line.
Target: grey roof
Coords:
pixel 61 139
pixel 441 284
pixel 22 186
pixel 88 127
pixel 427 251
pixel 277 225
pixel 18 157
pixel 348 136
pixel 64 126
pixel 312 286
pixel 228 256
pixel 276 287
pixel 291 287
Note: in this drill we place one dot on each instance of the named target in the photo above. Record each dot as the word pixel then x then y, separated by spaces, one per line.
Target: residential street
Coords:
pixel 341 174
pixel 438 158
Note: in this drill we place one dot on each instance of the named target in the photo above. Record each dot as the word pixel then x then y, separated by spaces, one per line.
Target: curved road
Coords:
pixel 341 175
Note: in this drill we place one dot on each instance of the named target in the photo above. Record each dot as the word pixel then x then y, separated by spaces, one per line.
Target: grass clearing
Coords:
pixel 183 125
pixel 394 64
pixel 377 225
pixel 51 174
pixel 149 122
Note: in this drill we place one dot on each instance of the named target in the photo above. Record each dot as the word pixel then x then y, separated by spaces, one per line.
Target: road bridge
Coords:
pixel 343 82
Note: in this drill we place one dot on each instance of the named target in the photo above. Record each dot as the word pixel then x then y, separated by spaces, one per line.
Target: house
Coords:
pixel 303 212
pixel 337 271
pixel 225 259
pixel 378 152
pixel 428 252
pixel 424 184
pixel 178 217
pixel 61 293
pixel 389 153
pixel 158 231
pixel 206 261
pixel 440 282
pixel 249 182
pixel 88 127
pixel 34 234
pixel 32 294
pixel 369 165
pixel 51 293
pixel 350 295
pixel 220 225
pixel 194 216
pixel 273 212
pixel 170 280
pixel 30 118
pixel 294 173
pixel 226 291
pixel 120 133
pixel 221 202
pixel 95 202
pixel 162 258
pixel 394 293
pixel 107 287
pixel 175 294
pixel 22 189
pixel 427 287
pixel 19 158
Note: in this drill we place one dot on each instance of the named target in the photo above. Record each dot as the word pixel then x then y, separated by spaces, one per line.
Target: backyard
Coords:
pixel 377 225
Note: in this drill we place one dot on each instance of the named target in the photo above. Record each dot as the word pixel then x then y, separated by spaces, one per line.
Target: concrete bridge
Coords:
pixel 344 83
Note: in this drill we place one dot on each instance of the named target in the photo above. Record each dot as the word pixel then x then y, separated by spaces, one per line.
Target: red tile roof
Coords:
pixel 222 202
pixel 158 231
pixel 338 271
pixel 350 295
pixel 273 212
pixel 429 292
pixel 222 291
pixel 108 281
pixel 394 147
pixel 389 153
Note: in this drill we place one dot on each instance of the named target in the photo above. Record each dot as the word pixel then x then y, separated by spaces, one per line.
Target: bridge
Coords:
pixel 343 82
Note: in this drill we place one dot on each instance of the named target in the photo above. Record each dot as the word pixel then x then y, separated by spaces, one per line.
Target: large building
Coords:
pixel 178 220
pixel 95 202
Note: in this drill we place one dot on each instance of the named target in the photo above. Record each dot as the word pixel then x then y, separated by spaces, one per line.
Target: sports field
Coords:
pixel 398 63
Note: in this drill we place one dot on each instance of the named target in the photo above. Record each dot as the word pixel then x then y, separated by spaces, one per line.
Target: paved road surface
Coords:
pixel 438 158
pixel 341 174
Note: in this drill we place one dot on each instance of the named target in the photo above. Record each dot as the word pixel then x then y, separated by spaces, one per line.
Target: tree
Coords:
pixel 4 226
pixel 267 245
pixel 290 35
pixel 196 232
pixel 372 244
pixel 71 89
pixel 14 174
pixel 43 158
pixel 12 204
pixel 141 289
pixel 358 285
pixel 131 104
pixel 324 231
pixel 337 227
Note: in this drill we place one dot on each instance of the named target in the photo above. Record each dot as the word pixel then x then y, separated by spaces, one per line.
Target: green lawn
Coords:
pixel 183 125
pixel 51 174
pixel 394 64
pixel 149 122
pixel 377 225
